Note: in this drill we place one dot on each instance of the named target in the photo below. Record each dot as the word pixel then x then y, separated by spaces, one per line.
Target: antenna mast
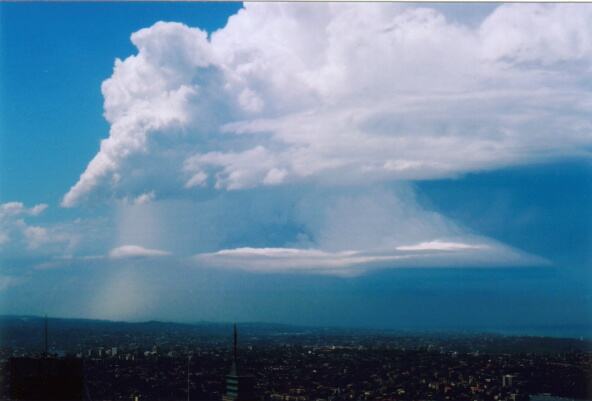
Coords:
pixel 188 360
pixel 234 347
pixel 45 336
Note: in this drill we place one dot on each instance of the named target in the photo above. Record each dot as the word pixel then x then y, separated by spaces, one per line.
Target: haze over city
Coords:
pixel 408 166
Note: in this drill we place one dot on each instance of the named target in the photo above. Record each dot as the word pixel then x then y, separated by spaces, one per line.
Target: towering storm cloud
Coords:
pixel 344 93
pixel 324 115
pixel 281 161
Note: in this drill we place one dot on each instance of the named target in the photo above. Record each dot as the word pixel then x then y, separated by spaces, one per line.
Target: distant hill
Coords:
pixel 27 331
pixel 31 324
pixel 74 335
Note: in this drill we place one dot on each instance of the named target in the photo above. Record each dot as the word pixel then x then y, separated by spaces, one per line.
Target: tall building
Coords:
pixel 47 377
pixel 239 387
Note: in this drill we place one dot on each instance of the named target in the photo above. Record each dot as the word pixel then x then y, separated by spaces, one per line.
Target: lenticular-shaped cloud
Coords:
pixel 343 93
pixel 438 245
pixel 351 234
pixel 135 251
pixel 355 263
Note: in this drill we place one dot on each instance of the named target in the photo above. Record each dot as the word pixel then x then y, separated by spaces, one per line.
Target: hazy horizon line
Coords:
pixel 542 331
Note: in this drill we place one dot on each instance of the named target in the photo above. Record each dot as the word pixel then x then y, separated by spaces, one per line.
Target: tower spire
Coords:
pixel 239 387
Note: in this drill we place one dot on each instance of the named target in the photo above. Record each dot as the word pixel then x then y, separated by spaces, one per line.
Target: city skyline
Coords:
pixel 371 165
pixel 174 361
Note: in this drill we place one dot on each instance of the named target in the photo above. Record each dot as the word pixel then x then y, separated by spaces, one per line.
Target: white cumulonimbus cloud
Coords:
pixel 344 92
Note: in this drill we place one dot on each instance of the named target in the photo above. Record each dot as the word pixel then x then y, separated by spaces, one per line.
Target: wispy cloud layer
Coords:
pixel 13 225
pixel 25 233
pixel 9 281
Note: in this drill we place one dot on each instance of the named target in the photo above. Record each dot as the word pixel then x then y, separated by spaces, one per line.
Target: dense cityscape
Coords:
pixel 301 200
pixel 169 361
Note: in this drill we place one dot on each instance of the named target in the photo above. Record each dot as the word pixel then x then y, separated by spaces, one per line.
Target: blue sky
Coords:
pixel 265 170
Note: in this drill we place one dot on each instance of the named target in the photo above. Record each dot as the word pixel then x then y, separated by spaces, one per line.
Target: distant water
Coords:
pixel 544 397
pixel 577 332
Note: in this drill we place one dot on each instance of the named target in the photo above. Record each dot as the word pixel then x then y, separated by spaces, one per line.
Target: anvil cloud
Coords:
pixel 345 96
